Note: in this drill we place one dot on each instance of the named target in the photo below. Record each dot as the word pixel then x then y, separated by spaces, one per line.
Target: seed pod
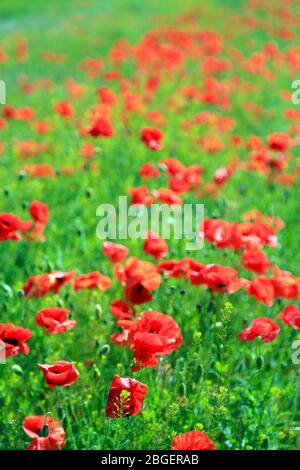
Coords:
pixel 182 389
pixel 45 431
pixel 260 362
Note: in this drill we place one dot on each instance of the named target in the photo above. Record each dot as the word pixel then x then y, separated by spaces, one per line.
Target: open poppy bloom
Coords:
pixel 152 137
pixel 93 280
pixel 125 397
pixel 114 251
pixel 38 286
pixel 139 278
pixel 101 127
pixel 155 246
pixel 61 373
pixel 151 335
pixel 263 327
pixel 54 320
pixel 291 316
pixel 218 278
pixel 13 339
pixel 255 260
pixel 193 440
pixel 10 225
pixel 46 433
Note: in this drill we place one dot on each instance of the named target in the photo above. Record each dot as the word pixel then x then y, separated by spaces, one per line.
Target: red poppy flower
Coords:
pixel 262 289
pixel 255 260
pixel 167 196
pixel 13 339
pixel 114 251
pixel 125 397
pixel 291 316
pixel 155 246
pixel 101 127
pixel 94 280
pixel 151 335
pixel 10 225
pixel 218 278
pixel 61 373
pixel 193 440
pixel 279 141
pixel 148 171
pixel 263 327
pixel 122 310
pixel 64 109
pixel 46 433
pixel 38 286
pixel 152 137
pixel 39 212
pixel 54 320
pixel 139 278
pixel 285 284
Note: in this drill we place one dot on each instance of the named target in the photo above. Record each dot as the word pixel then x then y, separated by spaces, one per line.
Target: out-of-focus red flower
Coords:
pixel 13 339
pixel 94 280
pixel 64 108
pixel 152 137
pixel 262 289
pixel 125 397
pixel 107 96
pixel 218 278
pixel 290 315
pixel 54 320
pixel 263 327
pixel 61 373
pixel 279 141
pixel 46 433
pixel 122 310
pixel 193 440
pixel 255 259
pixel 10 225
pixel 148 170
pixel 38 286
pixel 39 212
pixel 114 251
pixel 167 196
pixel 101 127
pixel 140 195
pixel 154 245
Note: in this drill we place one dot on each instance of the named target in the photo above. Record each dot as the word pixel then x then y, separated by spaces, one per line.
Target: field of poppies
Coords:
pixel 142 343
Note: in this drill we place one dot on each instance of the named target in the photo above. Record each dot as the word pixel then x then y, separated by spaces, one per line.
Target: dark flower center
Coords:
pixel 12 341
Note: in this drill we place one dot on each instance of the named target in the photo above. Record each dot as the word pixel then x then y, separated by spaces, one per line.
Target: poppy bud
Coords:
pixel 17 369
pixel 6 191
pixel 89 192
pixel 182 292
pixel 105 349
pixel 98 311
pixel 182 390
pixel 61 413
pixel 79 232
pixel 60 303
pixel 45 431
pixel 199 307
pixel 57 172
pixel 21 175
pixel 260 362
pixel 199 371
pixel 25 205
pixel 20 293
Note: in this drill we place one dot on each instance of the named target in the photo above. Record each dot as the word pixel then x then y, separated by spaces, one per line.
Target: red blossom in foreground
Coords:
pixel 46 433
pixel 151 335
pixel 291 316
pixel 54 320
pixel 38 286
pixel 115 251
pixel 152 137
pixel 279 141
pixel 125 397
pixel 13 339
pixel 193 440
pixel 61 373
pixel 262 328
pixel 155 246
pixel 94 280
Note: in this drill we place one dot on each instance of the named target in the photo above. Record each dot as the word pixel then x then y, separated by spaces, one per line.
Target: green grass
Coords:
pixel 240 403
